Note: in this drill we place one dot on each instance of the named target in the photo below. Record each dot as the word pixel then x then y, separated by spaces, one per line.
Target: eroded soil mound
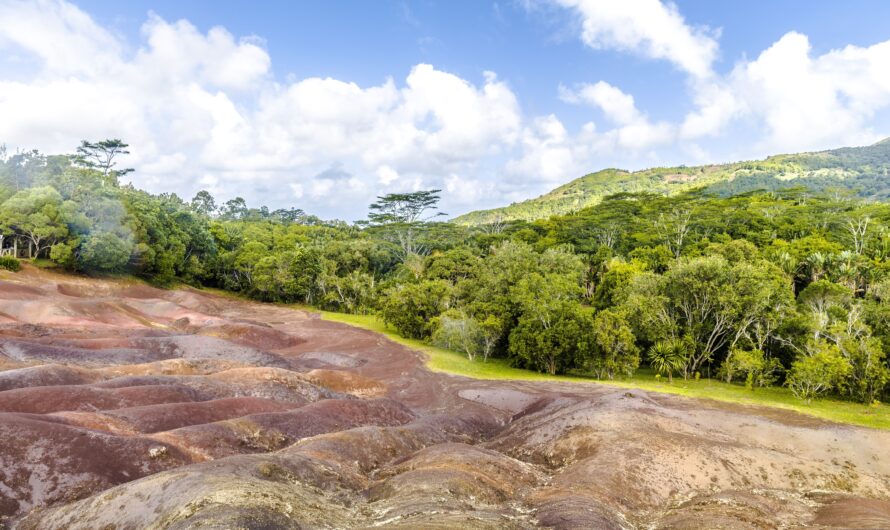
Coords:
pixel 128 407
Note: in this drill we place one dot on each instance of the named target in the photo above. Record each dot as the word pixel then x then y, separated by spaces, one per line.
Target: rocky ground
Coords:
pixel 128 407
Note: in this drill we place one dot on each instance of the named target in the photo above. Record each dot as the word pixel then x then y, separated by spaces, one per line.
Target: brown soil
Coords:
pixel 127 407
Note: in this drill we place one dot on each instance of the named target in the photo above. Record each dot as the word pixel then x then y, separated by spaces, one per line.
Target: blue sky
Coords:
pixel 323 105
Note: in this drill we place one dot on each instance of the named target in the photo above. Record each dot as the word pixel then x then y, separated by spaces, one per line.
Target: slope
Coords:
pixel 864 171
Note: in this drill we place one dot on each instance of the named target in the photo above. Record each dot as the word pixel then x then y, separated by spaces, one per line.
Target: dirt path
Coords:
pixel 123 406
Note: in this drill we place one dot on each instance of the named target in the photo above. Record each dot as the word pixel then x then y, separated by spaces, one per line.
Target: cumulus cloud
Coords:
pixel 785 97
pixel 649 28
pixel 204 109
pixel 805 101
pixel 634 130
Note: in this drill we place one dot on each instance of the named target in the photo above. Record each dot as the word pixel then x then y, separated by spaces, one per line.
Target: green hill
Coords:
pixel 864 171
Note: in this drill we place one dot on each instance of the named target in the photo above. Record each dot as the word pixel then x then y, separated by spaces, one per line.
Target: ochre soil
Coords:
pixel 128 407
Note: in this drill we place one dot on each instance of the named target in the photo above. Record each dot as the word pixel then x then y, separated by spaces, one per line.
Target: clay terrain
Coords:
pixel 128 407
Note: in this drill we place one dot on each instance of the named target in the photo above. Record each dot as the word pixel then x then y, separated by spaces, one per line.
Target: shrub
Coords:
pixel 813 375
pixel 10 263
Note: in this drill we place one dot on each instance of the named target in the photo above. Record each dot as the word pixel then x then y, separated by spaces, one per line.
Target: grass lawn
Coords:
pixel 442 360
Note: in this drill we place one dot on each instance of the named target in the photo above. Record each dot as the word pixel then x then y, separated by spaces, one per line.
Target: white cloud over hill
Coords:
pixel 204 110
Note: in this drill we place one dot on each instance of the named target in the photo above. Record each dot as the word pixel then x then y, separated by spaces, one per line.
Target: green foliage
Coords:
pixel 457 331
pixel 412 308
pixel 815 374
pixel 551 343
pixel 612 350
pixel 104 252
pixel 40 214
pixel 751 287
pixel 752 366
pixel 667 357
pixel 10 263
pixel 861 170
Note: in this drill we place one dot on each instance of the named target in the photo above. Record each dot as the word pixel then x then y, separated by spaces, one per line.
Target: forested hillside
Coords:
pixel 787 287
pixel 862 170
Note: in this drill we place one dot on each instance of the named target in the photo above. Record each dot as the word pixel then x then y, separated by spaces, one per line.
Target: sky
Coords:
pixel 323 105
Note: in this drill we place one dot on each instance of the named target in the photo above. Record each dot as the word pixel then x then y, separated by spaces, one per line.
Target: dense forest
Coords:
pixel 783 287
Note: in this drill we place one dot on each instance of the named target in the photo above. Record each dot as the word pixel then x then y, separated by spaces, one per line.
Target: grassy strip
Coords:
pixel 442 360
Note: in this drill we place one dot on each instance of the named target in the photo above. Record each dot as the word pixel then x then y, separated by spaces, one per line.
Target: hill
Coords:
pixel 861 170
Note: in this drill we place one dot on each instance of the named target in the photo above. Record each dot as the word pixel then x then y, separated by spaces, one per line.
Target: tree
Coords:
pixel 612 349
pixel 858 231
pixel 40 215
pixel 666 357
pixel 815 374
pixel 203 203
pixel 673 228
pixel 491 329
pixel 412 308
pixel 101 156
pixel 287 276
pixel 819 298
pixel 404 208
pixel 234 209
pixel 707 302
pixel 552 345
pixel 457 331
pixel 402 215
pixel 753 366
pixel 288 215
pixel 105 252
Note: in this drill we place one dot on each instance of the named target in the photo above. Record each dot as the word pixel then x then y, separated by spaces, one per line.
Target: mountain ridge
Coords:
pixel 864 170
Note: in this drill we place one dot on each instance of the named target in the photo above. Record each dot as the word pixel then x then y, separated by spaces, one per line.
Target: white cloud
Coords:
pixel 796 101
pixel 615 104
pixel 634 131
pixel 192 104
pixel 204 110
pixel 548 151
pixel 647 27
pixel 787 98
pixel 805 102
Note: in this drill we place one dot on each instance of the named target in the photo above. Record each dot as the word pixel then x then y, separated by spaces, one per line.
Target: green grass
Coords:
pixel 42 263
pixel 442 360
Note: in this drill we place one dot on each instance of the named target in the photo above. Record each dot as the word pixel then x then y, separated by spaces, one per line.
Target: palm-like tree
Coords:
pixel 666 357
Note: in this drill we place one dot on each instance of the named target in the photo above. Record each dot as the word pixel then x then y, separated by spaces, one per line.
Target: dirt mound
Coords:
pixel 36 351
pixel 330 359
pixel 346 382
pixel 17 291
pixel 195 347
pixel 46 399
pixel 853 512
pixel 460 472
pixel 254 335
pixel 86 290
pixel 47 462
pixel 168 416
pixel 276 430
pixel 45 375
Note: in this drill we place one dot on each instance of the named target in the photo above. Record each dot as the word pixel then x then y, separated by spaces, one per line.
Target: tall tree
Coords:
pixel 403 214
pixel 102 156
pixel 204 203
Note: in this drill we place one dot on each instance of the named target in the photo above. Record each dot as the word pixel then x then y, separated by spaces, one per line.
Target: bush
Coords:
pixel 752 366
pixel 813 375
pixel 10 263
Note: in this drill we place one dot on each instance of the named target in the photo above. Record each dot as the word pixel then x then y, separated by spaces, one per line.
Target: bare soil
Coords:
pixel 128 407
